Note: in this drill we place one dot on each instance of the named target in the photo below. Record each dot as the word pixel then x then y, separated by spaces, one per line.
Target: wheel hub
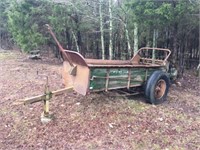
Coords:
pixel 160 89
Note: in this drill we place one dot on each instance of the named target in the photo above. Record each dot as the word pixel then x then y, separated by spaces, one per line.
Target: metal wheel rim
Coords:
pixel 160 89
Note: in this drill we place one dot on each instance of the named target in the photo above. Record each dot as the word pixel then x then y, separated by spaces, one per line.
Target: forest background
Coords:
pixel 104 29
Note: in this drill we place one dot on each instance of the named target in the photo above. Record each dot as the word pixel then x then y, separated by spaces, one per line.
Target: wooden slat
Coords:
pixel 42 97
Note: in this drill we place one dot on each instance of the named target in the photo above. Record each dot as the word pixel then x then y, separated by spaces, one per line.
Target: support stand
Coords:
pixel 46 116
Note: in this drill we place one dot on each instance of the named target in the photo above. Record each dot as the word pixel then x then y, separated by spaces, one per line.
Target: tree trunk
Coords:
pixel 79 42
pixel 128 40
pixel 110 31
pixel 76 41
pixel 101 29
pixel 68 39
pixel 155 36
pixel 175 43
pixel 135 37
pixel 97 45
pixel 1 39
pixel 167 39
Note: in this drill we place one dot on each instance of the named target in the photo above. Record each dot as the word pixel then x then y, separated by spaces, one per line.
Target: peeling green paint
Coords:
pixel 118 77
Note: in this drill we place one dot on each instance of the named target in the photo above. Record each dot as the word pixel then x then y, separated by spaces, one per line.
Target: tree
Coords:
pixel 101 29
pixel 105 29
pixel 24 21
pixel 110 30
pixel 167 18
pixel 4 33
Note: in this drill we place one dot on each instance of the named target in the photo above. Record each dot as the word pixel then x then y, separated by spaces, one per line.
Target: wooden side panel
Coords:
pixel 115 78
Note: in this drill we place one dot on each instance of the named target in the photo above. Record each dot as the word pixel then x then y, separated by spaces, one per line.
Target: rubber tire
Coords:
pixel 150 87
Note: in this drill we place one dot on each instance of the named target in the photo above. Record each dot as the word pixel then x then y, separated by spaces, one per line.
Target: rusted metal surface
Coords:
pixel 66 56
pixel 76 71
pixel 125 66
pixel 161 61
pixel 160 89
pixel 108 62
pixel 70 56
pixel 76 58
pixel 80 81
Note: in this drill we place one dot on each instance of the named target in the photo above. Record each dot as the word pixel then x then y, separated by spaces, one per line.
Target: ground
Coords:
pixel 98 121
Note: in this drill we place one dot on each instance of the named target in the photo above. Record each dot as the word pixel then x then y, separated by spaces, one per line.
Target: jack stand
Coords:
pixel 46 117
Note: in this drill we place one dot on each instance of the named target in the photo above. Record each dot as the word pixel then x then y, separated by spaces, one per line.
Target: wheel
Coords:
pixel 157 87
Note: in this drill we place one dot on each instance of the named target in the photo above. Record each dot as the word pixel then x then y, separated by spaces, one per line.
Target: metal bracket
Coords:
pixel 73 71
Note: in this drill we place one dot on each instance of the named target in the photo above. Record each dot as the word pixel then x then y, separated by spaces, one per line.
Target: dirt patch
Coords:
pixel 98 121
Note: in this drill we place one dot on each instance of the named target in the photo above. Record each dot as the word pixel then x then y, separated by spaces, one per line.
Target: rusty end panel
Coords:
pixel 80 81
pixel 76 58
pixel 77 75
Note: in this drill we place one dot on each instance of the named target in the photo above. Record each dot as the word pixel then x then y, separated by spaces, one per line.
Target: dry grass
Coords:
pixel 98 121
